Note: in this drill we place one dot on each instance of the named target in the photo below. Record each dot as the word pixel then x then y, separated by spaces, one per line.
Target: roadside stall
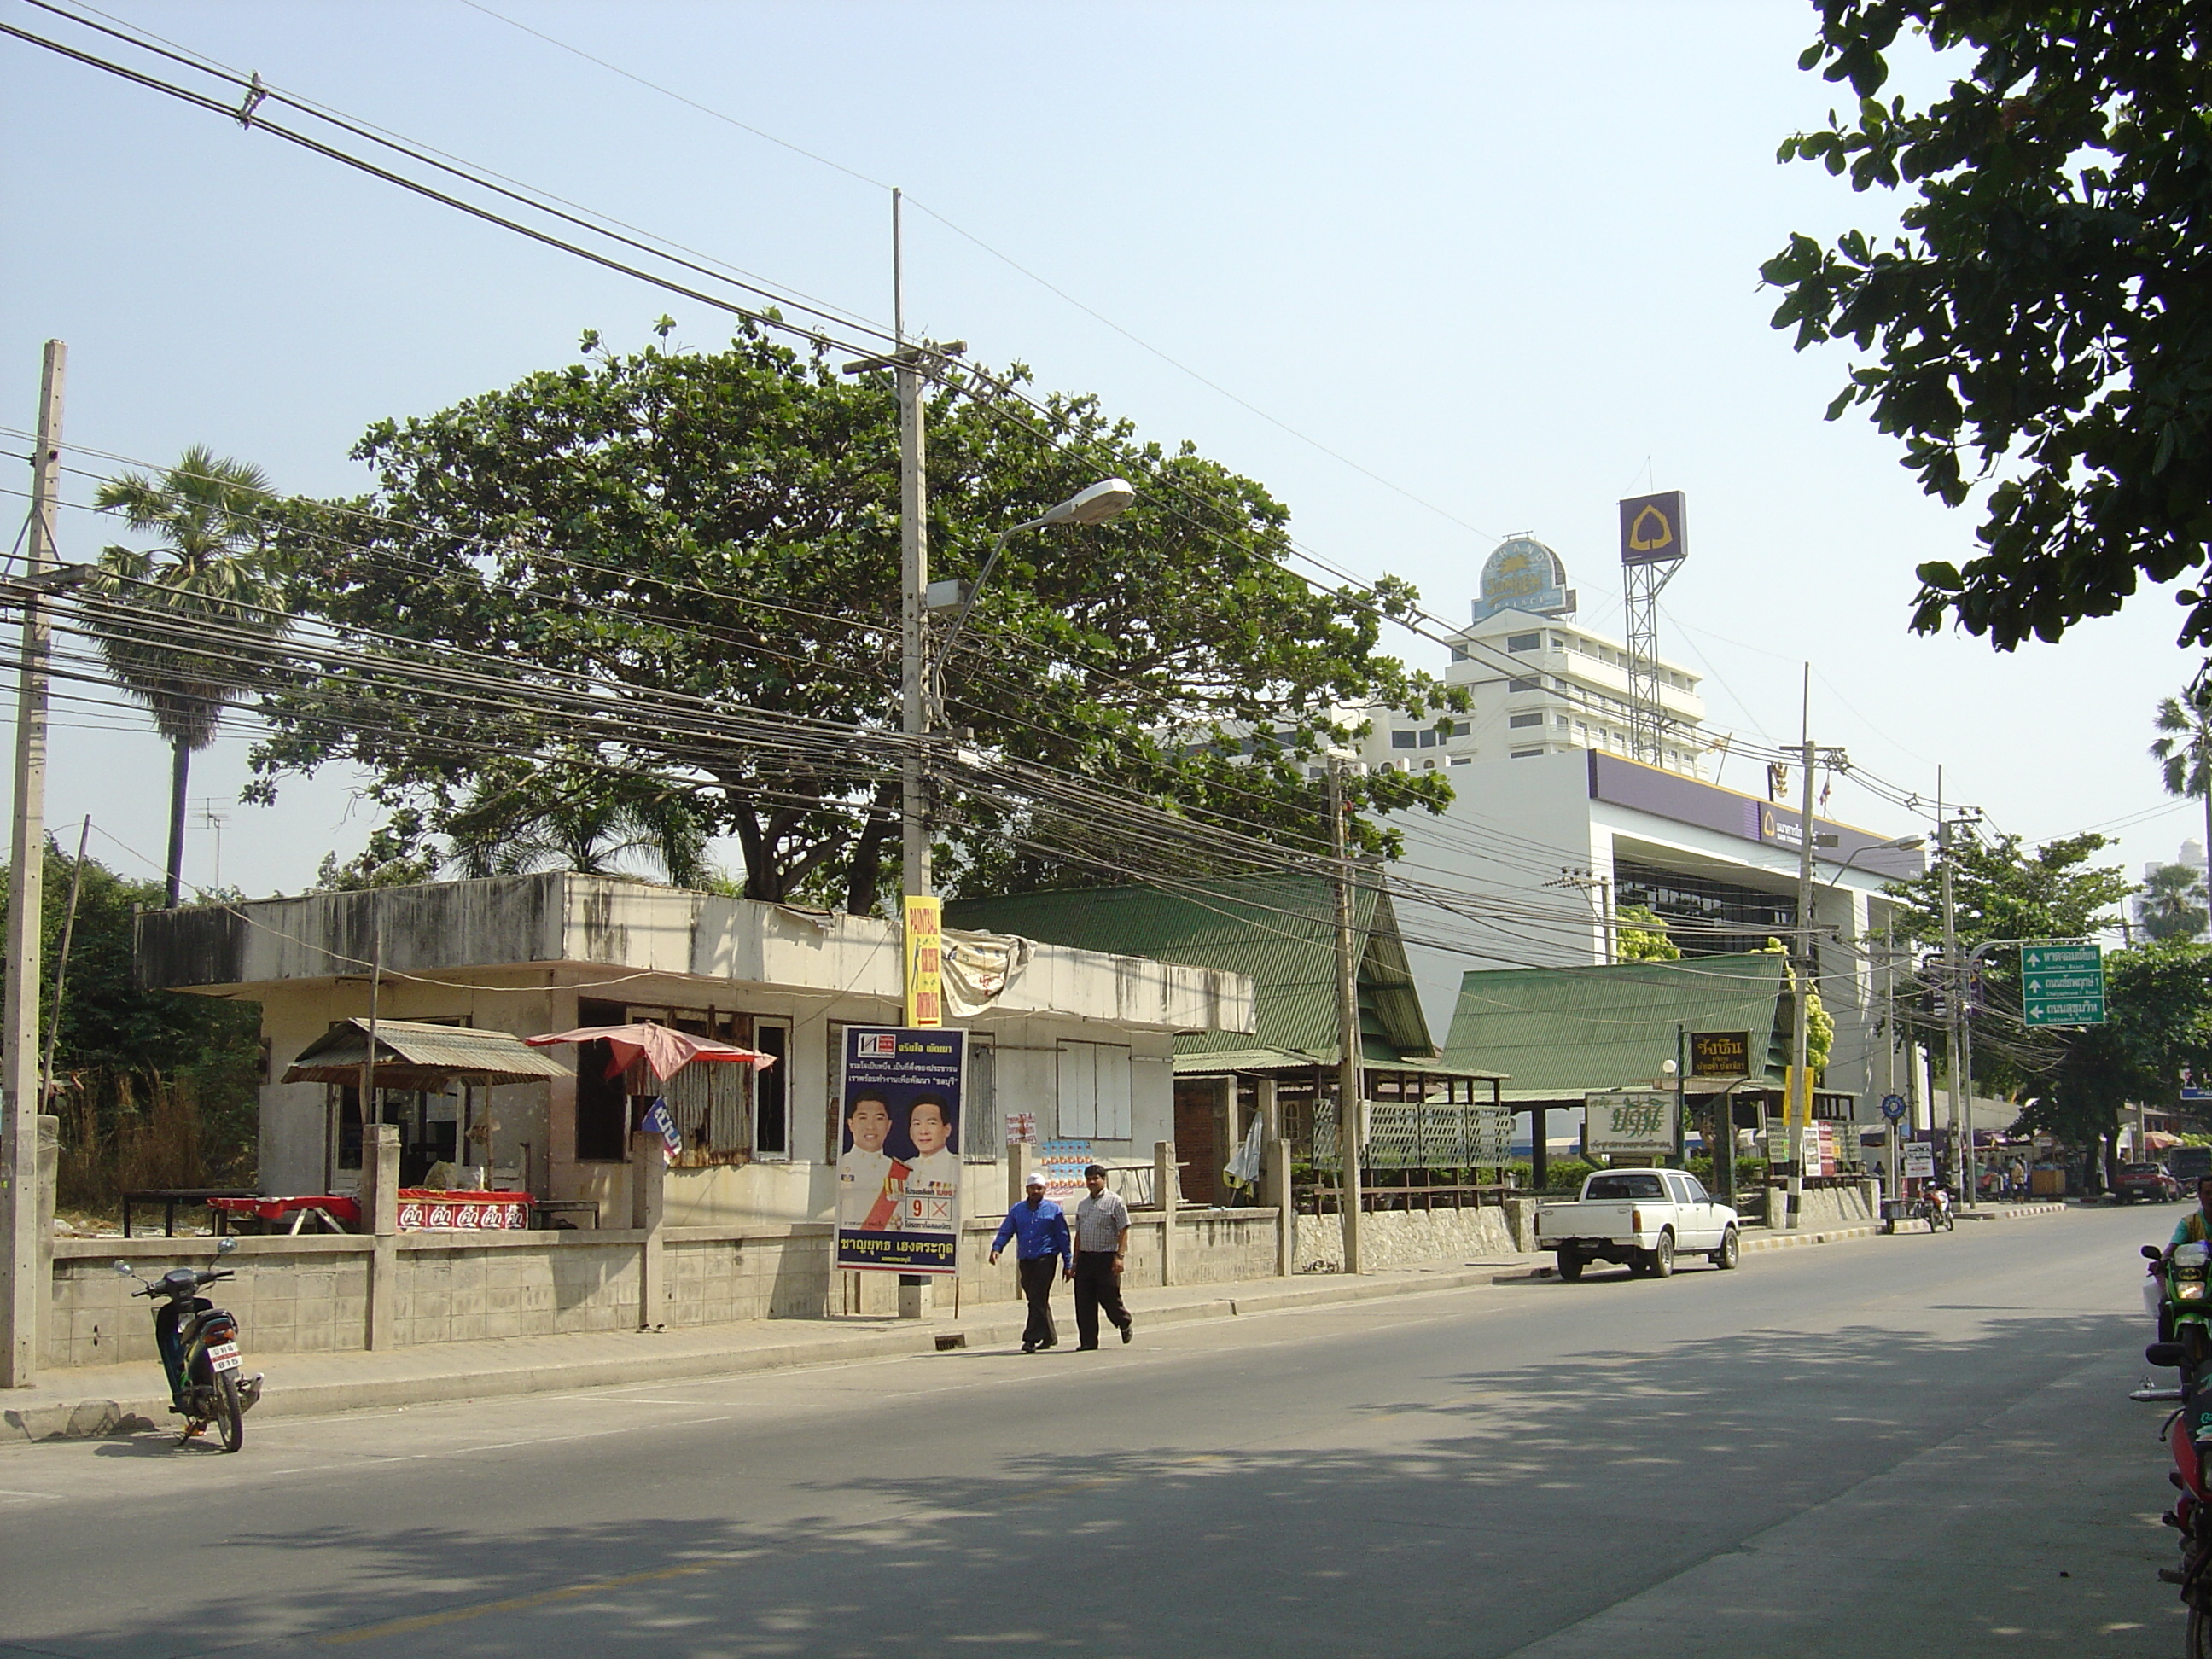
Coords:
pixel 648 1063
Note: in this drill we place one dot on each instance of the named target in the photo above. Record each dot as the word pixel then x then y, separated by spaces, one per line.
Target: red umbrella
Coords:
pixel 667 1052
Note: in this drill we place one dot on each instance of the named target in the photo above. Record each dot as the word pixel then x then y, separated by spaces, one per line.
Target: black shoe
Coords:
pixel 1053 1344
pixel 1086 1347
pixel 1128 1329
pixel 1028 1347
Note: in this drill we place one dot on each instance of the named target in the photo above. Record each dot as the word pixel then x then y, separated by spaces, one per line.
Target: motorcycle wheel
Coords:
pixel 229 1416
pixel 2199 1644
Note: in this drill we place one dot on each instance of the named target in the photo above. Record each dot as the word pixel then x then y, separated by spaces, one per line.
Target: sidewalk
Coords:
pixel 92 1400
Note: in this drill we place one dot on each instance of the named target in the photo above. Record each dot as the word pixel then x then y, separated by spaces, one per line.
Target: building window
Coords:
pixel 1525 683
pixel 1094 1091
pixel 1403 739
pixel 1523 754
pixel 771 1091
pixel 1428 737
pixel 1559 721
pixel 1459 654
pixel 1524 641
pixel 1463 760
pixel 1524 720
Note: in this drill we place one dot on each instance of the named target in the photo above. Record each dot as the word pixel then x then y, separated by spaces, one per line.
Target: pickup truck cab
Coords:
pixel 1644 1219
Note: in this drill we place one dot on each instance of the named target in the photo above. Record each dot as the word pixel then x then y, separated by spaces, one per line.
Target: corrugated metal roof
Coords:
pixel 1279 929
pixel 1561 1032
pixel 409 1052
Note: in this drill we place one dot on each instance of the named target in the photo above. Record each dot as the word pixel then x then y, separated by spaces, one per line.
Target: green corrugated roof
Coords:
pixel 1561 1032
pixel 1279 929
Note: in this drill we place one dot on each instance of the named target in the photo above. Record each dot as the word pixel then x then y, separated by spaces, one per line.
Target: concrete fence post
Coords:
pixel 1167 1188
pixel 380 1213
pixel 1021 1158
pixel 648 1209
pixel 1275 1189
pixel 49 1156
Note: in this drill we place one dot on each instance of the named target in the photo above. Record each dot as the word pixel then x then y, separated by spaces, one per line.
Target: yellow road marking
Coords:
pixel 512 1604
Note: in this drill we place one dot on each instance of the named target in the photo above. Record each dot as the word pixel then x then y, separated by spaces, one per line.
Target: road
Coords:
pixel 1894 1446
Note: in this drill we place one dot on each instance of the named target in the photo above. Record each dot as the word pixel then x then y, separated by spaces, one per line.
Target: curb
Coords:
pixel 75 1419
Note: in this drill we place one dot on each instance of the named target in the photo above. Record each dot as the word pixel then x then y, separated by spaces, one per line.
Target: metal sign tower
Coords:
pixel 1654 540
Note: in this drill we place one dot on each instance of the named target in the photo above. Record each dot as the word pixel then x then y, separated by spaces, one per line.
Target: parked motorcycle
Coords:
pixel 198 1345
pixel 1933 1207
pixel 2185 1345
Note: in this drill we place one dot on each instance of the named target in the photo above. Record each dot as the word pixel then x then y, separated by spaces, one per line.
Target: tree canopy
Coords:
pixel 2039 332
pixel 2171 905
pixel 722 525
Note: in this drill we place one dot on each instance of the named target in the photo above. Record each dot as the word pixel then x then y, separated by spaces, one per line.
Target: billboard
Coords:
pixel 1653 529
pixel 925 961
pixel 1629 1123
pixel 1720 1053
pixel 898 1163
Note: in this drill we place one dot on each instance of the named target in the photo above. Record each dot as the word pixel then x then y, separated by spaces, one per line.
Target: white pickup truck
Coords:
pixel 1643 1218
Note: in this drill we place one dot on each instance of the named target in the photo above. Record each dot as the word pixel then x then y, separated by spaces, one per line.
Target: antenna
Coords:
pixel 211 819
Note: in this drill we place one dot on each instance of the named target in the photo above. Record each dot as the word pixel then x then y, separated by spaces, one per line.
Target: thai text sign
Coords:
pixel 925 961
pixel 1632 1122
pixel 898 1169
pixel 2062 984
pixel 1720 1053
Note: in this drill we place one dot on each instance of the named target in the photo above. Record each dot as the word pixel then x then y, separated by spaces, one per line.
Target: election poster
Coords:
pixel 898 1164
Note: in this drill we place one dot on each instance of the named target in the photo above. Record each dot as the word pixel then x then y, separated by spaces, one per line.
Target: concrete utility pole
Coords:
pixel 1801 1024
pixel 915 878
pixel 1351 1081
pixel 21 1293
pixel 1952 987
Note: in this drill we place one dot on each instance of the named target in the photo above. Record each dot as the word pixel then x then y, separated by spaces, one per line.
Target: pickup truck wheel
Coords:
pixel 1730 1245
pixel 1570 1266
pixel 1659 1259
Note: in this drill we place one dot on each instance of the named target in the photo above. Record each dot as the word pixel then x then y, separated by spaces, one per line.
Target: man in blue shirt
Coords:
pixel 1042 1246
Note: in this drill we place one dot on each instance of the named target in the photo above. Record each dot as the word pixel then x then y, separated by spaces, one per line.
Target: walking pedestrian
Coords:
pixel 1039 1230
pixel 1102 1247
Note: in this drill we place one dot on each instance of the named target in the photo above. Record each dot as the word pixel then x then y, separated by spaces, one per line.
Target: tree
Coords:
pixel 2171 905
pixel 2038 332
pixel 2000 892
pixel 2184 754
pixel 214 571
pixel 1643 933
pixel 506 828
pixel 2158 1004
pixel 723 526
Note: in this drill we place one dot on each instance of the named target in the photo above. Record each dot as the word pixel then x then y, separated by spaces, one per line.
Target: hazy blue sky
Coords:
pixel 1505 256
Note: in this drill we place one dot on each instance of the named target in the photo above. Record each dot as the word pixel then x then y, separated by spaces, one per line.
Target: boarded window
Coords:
pixel 1094 1091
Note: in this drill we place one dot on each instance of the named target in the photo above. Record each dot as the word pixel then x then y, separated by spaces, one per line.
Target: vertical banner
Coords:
pixel 925 970
pixel 898 1167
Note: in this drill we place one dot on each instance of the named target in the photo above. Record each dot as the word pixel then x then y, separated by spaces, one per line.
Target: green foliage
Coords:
pixel 1642 934
pixel 725 525
pixel 2171 905
pixel 507 826
pixel 126 1057
pixel 2038 333
pixel 2159 1020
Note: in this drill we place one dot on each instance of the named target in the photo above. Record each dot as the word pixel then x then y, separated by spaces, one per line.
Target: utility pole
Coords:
pixel 914 594
pixel 1952 989
pixel 1351 1081
pixel 21 1293
pixel 1797 1115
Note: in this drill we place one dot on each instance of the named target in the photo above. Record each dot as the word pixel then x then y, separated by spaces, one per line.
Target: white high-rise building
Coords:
pixel 1542 684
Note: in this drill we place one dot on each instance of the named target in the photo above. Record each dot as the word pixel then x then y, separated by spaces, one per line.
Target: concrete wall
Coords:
pixel 1390 1238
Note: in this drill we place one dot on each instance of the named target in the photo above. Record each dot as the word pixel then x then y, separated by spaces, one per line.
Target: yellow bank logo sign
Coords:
pixel 1653 529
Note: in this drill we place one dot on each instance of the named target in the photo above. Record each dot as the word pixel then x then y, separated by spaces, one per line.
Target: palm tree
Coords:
pixel 2185 754
pixel 505 830
pixel 214 569
pixel 2172 903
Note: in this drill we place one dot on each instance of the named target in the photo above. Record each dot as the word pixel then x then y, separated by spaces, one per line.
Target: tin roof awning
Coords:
pixel 410 1054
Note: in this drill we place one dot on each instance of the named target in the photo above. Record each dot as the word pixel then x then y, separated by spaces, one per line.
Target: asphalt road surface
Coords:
pixel 1899 1446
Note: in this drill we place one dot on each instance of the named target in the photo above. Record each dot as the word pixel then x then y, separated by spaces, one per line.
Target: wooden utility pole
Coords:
pixel 22 1295
pixel 1350 1083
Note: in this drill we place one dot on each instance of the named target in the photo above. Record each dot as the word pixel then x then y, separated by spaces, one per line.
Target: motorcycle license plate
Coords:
pixel 224 1355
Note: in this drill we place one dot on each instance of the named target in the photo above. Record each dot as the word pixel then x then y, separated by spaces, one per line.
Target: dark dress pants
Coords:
pixel 1036 1273
pixel 1097 1285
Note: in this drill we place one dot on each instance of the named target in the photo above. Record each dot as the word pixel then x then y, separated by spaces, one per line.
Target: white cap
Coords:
pixel 1037 1179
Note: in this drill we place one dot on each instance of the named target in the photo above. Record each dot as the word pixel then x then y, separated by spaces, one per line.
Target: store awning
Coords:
pixel 410 1054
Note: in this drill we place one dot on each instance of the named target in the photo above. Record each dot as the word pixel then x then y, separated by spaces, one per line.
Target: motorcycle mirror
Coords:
pixel 2151 1252
pixel 225 1245
pixel 124 1267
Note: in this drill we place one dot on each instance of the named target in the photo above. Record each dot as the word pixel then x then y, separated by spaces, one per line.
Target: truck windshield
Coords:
pixel 1642 1184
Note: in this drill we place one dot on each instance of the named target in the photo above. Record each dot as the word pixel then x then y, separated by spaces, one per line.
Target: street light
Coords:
pixel 1093 505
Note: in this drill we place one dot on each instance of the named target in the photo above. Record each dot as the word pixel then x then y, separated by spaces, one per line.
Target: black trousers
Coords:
pixel 1036 1273
pixel 1097 1285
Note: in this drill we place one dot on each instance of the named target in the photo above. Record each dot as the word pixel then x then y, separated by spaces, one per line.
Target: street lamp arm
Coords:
pixel 975 588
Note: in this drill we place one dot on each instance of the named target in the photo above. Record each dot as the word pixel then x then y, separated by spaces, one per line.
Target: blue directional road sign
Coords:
pixel 1893 1107
pixel 2062 984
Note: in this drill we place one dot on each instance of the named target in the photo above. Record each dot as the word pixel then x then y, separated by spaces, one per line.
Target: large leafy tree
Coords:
pixel 2159 1022
pixel 2001 892
pixel 215 575
pixel 2039 331
pixel 2171 905
pixel 723 526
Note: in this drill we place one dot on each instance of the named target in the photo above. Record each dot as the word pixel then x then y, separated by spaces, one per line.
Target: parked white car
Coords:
pixel 1645 1219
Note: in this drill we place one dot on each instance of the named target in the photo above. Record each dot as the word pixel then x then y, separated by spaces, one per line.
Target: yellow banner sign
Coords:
pixel 925 974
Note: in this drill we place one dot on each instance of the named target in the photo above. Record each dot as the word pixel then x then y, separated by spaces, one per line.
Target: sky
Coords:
pixel 1433 274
